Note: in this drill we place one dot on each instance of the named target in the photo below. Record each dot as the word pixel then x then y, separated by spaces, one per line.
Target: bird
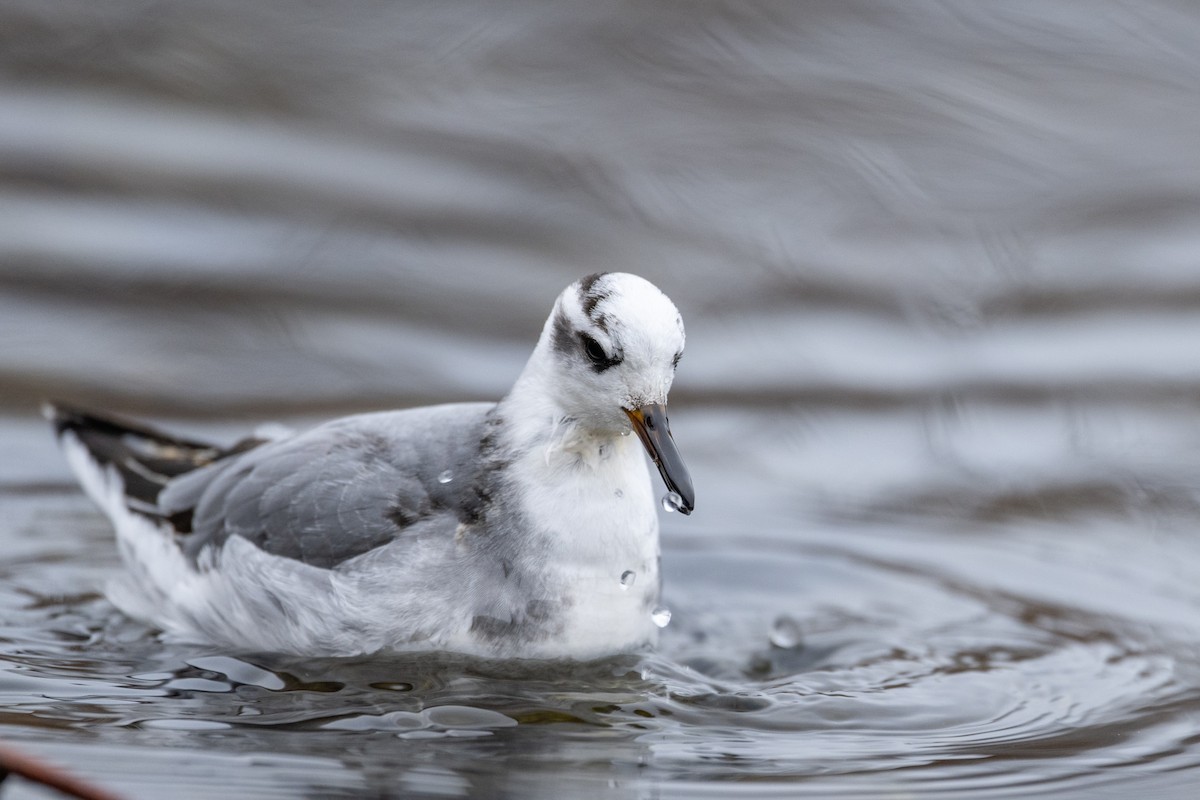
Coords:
pixel 521 529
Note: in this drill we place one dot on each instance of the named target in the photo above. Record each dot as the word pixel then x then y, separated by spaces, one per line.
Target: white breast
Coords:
pixel 593 497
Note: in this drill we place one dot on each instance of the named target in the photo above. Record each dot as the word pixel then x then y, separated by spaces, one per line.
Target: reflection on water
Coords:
pixel 939 399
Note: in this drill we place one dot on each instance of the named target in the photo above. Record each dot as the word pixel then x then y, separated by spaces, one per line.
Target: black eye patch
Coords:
pixel 594 351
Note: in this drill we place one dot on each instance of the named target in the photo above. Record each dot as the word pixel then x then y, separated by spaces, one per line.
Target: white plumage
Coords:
pixel 525 528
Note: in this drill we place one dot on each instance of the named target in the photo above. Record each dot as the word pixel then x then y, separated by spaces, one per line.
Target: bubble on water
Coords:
pixel 672 502
pixel 394 686
pixel 785 632
pixel 627 578
pixel 661 616
pixel 446 477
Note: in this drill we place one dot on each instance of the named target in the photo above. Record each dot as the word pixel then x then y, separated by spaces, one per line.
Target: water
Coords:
pixel 939 270
pixel 786 632
pixel 671 502
pixel 661 616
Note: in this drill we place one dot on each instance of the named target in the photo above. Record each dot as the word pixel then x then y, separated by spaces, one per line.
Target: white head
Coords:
pixel 614 341
pixel 607 358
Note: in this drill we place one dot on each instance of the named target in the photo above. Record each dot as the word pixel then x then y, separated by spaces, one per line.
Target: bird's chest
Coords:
pixel 593 508
pixel 594 552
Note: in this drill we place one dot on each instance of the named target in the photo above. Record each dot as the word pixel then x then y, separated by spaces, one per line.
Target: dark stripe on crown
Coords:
pixel 590 296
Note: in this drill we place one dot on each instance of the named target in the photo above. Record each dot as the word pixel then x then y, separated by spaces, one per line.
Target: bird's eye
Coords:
pixel 594 351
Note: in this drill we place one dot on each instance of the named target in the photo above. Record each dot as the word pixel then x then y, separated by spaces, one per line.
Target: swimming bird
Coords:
pixel 525 528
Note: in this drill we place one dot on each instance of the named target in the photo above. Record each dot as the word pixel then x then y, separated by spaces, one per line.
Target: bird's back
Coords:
pixel 320 497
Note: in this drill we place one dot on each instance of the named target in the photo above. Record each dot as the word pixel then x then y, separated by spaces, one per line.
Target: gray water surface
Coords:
pixel 940 268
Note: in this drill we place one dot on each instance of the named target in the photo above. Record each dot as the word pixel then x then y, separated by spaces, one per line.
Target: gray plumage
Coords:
pixel 346 487
pixel 320 497
pixel 499 529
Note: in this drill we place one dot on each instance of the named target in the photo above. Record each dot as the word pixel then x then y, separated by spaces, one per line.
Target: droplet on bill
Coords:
pixel 672 502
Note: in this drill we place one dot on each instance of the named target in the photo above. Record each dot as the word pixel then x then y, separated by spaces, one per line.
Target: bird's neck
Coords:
pixel 588 490
pixel 536 425
pixel 542 428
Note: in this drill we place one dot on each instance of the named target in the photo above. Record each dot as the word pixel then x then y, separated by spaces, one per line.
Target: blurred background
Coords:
pixel 940 270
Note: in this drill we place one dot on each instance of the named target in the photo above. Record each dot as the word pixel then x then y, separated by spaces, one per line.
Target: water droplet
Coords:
pixel 672 502
pixel 619 493
pixel 786 633
pixel 446 477
pixel 627 578
pixel 627 431
pixel 661 616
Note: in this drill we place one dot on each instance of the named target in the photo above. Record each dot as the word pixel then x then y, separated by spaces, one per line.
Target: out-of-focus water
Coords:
pixel 940 267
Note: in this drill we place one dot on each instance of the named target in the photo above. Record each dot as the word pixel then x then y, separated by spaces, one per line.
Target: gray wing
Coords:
pixel 342 489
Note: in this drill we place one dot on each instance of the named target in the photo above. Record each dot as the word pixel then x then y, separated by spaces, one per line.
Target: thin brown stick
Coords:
pixel 38 771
